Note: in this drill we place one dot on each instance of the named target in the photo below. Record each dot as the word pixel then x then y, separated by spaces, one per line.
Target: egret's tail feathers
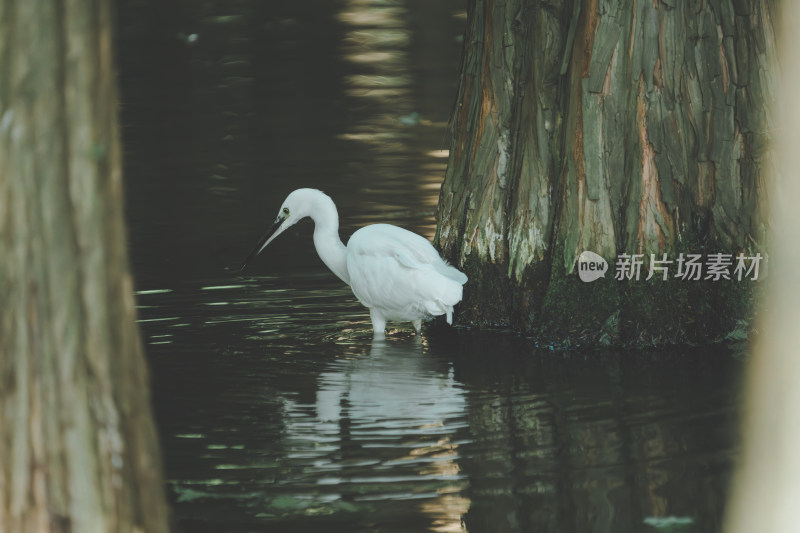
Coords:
pixel 434 308
pixel 449 271
pixel 437 308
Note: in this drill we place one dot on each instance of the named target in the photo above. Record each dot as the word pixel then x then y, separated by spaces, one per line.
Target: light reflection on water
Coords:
pixel 277 411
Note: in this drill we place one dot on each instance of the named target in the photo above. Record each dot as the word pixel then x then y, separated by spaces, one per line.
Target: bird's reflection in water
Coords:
pixel 387 426
pixel 396 392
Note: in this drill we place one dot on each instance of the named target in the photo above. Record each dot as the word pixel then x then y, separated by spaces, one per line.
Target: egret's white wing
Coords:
pixel 407 261
pixel 401 273
pixel 411 250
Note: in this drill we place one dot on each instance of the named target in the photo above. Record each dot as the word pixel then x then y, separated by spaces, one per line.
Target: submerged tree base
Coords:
pixel 563 310
pixel 644 313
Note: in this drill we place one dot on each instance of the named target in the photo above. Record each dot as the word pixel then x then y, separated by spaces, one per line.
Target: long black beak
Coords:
pixel 262 243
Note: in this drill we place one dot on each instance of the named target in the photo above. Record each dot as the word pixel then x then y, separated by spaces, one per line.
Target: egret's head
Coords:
pixel 298 205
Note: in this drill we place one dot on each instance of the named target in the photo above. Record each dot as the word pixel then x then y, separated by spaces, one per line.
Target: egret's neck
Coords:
pixel 330 247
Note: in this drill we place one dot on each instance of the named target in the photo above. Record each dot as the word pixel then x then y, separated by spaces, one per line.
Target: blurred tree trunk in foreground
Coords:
pixel 612 126
pixel 767 485
pixel 78 448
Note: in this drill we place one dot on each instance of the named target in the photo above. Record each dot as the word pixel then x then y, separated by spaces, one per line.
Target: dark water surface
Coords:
pixel 276 410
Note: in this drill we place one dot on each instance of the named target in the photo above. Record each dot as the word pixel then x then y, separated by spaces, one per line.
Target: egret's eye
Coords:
pixel 286 211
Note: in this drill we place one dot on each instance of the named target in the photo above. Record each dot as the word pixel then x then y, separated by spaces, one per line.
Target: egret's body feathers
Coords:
pixel 400 274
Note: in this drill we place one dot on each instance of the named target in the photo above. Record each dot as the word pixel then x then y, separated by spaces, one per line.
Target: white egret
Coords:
pixel 398 275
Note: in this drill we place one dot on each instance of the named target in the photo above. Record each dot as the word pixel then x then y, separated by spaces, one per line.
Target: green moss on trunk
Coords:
pixel 642 312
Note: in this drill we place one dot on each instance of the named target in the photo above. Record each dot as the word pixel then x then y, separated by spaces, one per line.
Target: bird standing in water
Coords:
pixel 398 275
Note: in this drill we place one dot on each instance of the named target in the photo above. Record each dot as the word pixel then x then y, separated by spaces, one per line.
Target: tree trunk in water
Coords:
pixel 78 448
pixel 614 127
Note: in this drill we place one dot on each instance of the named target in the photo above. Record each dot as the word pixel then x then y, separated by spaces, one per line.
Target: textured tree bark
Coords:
pixel 614 126
pixel 78 448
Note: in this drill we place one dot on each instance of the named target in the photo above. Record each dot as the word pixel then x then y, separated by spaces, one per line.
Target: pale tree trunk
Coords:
pixel 78 447
pixel 767 484
pixel 616 127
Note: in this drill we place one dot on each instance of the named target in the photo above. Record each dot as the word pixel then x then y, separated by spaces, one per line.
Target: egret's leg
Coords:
pixel 378 324
pixel 417 325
